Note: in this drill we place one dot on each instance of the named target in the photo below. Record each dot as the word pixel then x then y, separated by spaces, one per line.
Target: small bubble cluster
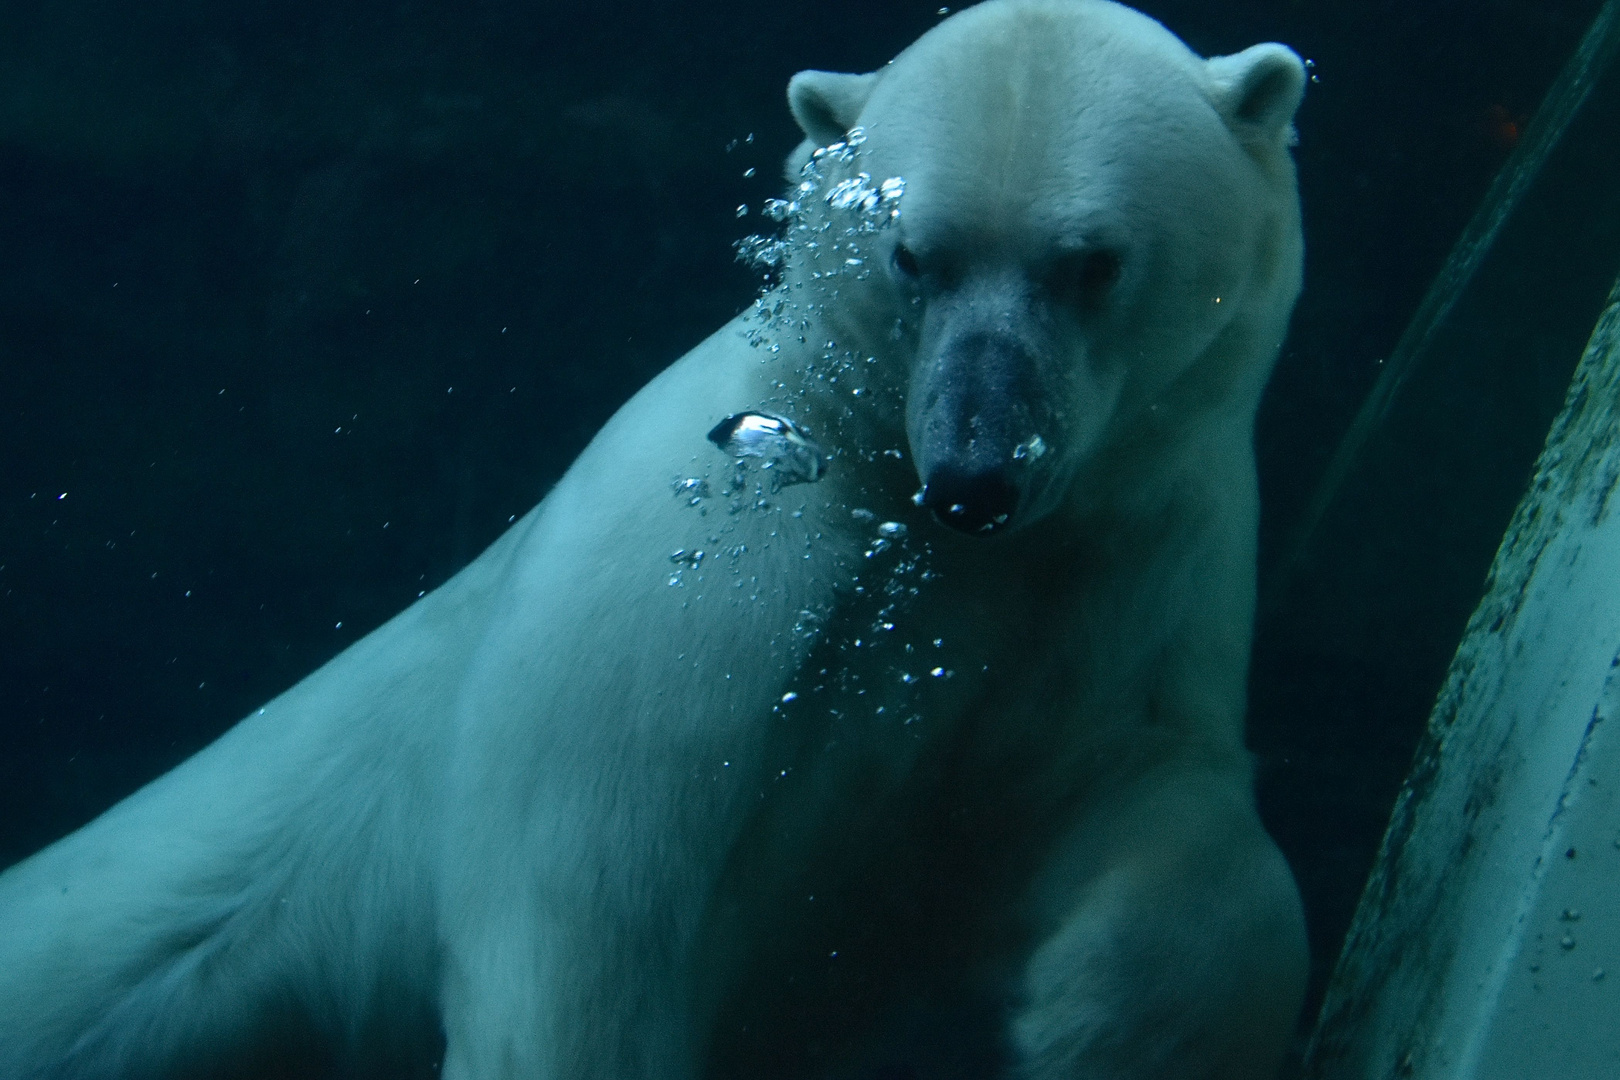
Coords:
pixel 830 243
pixel 878 672
pixel 826 228
pixel 858 194
pixel 690 489
pixel 823 236
pixel 684 558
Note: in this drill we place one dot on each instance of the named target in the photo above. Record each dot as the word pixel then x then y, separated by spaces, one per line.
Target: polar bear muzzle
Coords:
pixel 974 430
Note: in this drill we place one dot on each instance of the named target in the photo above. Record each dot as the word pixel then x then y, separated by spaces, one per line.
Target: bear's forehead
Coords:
pixel 1049 118
pixel 1005 46
pixel 1026 80
pixel 1057 172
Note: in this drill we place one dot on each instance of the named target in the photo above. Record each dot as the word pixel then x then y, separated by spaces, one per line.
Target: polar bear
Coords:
pixel 866 700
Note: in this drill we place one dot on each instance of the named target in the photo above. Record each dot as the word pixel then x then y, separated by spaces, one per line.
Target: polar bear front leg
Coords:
pixel 1179 951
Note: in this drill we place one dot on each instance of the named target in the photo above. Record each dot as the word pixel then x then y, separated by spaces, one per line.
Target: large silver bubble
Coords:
pixel 782 446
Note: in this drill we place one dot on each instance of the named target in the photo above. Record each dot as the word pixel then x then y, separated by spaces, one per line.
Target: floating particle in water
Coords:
pixel 891 530
pixel 860 514
pixel 742 209
pixel 782 446
pixel 684 556
pixel 789 696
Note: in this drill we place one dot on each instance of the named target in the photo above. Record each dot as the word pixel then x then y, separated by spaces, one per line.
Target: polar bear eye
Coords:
pixel 1085 276
pixel 905 263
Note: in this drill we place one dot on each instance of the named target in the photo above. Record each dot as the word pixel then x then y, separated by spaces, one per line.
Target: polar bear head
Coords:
pixel 1100 234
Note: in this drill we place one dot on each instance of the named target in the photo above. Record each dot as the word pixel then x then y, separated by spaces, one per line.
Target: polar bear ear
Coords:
pixel 827 104
pixel 1259 89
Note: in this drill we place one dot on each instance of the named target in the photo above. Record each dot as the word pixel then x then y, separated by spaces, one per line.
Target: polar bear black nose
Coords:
pixel 978 502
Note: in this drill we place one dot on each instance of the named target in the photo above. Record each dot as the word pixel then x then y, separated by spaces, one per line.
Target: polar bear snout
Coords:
pixel 977 503
pixel 974 428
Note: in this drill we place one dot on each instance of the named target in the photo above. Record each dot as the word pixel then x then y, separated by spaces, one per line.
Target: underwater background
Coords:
pixel 301 304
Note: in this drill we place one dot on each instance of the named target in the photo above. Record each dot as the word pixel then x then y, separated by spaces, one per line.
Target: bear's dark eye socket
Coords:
pixel 1086 277
pixel 905 263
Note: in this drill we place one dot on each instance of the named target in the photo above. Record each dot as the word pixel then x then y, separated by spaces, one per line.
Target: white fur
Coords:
pixel 562 802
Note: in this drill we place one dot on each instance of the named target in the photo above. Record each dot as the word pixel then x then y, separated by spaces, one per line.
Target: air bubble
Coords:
pixel 1031 450
pixel 782 446
pixel 761 253
pixel 854 193
pixel 693 488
